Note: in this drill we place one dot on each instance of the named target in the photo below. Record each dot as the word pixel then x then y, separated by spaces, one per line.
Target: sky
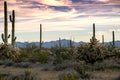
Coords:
pixel 67 19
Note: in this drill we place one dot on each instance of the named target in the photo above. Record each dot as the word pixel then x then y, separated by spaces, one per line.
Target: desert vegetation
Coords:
pixel 88 61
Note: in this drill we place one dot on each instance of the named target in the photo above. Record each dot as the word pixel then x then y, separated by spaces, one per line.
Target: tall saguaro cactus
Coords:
pixel 93 41
pixel 5 36
pixel 94 30
pixel 113 37
pixel 12 19
pixel 40 36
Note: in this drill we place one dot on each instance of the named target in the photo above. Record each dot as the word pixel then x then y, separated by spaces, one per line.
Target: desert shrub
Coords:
pixel 92 52
pixel 83 74
pixel 9 52
pixel 26 52
pixel 61 54
pixel 41 56
pixel 116 52
pixel 27 75
pixel 58 60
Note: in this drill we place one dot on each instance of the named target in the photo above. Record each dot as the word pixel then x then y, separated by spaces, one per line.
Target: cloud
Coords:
pixel 56 2
pixel 62 13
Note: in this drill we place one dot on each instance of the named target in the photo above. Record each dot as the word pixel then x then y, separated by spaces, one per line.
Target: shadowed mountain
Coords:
pixel 64 42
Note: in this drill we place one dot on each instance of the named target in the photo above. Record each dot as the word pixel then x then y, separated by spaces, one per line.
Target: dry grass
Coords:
pixel 53 75
pixel 44 75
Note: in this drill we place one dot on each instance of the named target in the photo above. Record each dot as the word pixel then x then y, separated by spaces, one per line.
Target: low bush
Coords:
pixel 116 52
pixel 9 52
pixel 41 56
pixel 83 74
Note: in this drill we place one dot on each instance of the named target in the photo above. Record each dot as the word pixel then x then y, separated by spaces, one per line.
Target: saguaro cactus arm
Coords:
pixel 9 36
pixel 10 18
pixel 15 38
pixel 3 38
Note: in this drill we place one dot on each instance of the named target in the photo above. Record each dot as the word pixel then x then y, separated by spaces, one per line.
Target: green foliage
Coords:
pixel 41 56
pixel 61 54
pixel 92 52
pixel 27 51
pixel 9 52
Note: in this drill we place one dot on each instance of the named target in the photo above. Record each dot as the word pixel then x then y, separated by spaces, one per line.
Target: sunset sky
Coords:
pixel 63 18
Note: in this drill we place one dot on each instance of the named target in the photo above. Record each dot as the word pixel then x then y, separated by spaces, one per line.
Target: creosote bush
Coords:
pixel 9 52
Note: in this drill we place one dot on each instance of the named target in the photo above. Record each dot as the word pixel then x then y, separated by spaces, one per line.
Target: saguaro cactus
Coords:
pixel 5 36
pixel 93 41
pixel 113 37
pixel 40 36
pixel 12 19
pixel 102 39
pixel 94 30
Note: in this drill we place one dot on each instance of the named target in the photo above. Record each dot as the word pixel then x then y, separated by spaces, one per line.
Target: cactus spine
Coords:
pixel 40 36
pixel 113 36
pixel 12 19
pixel 102 39
pixel 5 36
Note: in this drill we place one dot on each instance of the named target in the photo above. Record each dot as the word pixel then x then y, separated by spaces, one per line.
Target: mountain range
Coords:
pixel 64 42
